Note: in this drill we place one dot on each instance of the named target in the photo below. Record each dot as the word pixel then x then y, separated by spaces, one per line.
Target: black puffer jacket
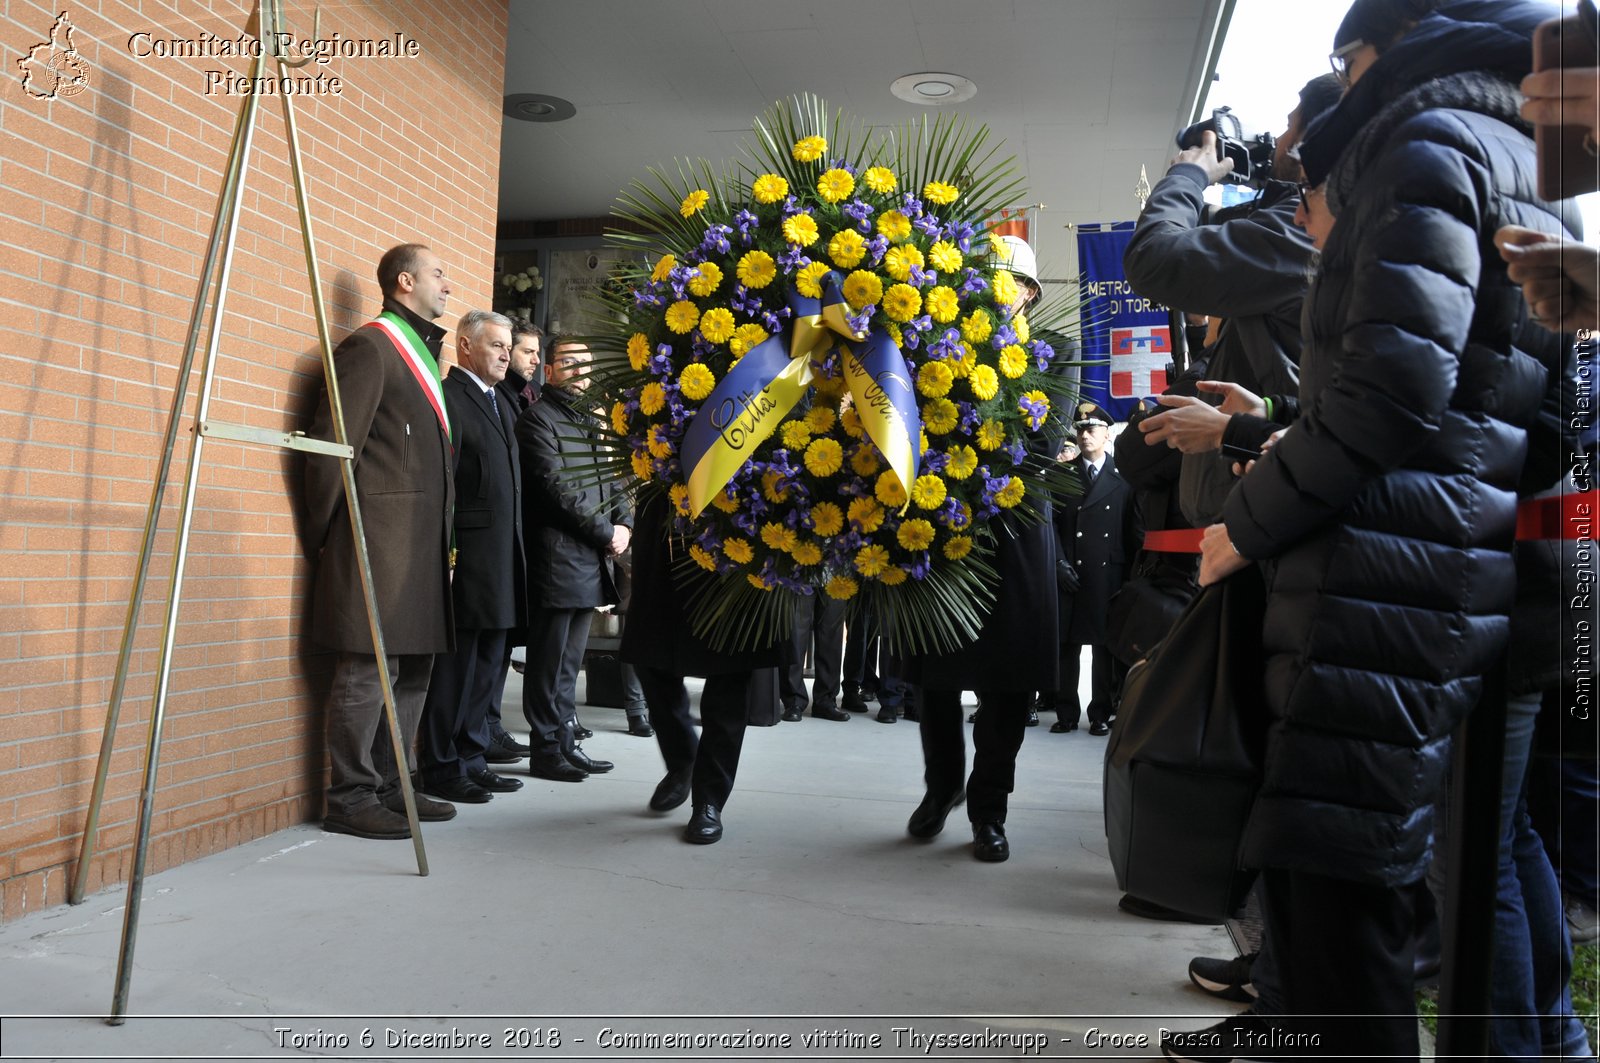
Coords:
pixel 1387 511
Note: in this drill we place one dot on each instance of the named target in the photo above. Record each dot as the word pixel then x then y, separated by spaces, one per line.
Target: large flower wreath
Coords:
pixel 820 361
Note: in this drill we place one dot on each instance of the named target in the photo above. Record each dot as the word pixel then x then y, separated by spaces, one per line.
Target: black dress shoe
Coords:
pixel 887 713
pixel 494 755
pixel 705 826
pixel 459 789
pixel 554 766
pixel 854 702
pixel 829 712
pixel 580 732
pixel 428 810
pixel 928 819
pixel 1061 727
pixel 639 727
pixel 579 759
pixel 792 716
pixel 496 784
pixel 1099 728
pixel 671 791
pixel 502 740
pixel 989 842
pixel 1033 717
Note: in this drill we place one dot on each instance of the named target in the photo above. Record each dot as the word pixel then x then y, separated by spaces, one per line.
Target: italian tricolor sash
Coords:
pixel 418 359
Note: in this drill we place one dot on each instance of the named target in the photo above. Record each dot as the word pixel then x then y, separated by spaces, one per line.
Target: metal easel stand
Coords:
pixel 266 23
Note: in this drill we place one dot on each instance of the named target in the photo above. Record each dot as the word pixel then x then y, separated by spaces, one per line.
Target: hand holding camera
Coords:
pixel 1206 156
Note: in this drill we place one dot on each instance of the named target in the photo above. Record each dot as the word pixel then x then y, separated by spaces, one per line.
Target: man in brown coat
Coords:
pixel 396 420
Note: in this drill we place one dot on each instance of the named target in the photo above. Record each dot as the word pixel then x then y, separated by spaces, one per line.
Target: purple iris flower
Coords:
pixel 970 418
pixel 928 224
pixel 661 364
pixel 922 278
pixel 910 339
pixel 935 461
pixel 791 205
pixel 920 324
pixel 910 205
pixel 1016 452
pixel 716 238
pixel 745 220
pixel 794 260
pixel 745 300
pixel 1035 411
pixel 920 568
pixel 963 234
pixel 644 297
pixel 702 347
pixel 860 322
pixel 1043 353
pixel 974 282
pixel 877 247
pixel 1004 336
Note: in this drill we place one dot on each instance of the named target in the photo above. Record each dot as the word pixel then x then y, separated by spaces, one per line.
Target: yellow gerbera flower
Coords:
pixel 800 230
pixel 893 576
pixel 915 534
pixel 957 547
pixel 824 457
pixel 705 279
pixel 866 514
pixel 809 149
pixel 739 551
pixel 827 519
pixel 696 381
pixel 716 324
pixel 770 489
pixel 961 360
pixel 658 443
pixel 962 517
pixel 1013 361
pixel 1039 397
pixel 651 398
pixel 725 502
pixel 894 226
pixel 850 421
pixel 934 379
pixel 928 491
pixel 1019 325
pixel 963 462
pixel 983 382
pixel 806 553
pixel 619 419
pixel 682 316
pixel 638 352
pixel 889 490
pixel 758 582
pixel 746 338
pixel 940 416
pixel 808 282
pixel 679 493
pixel 863 288
pixel 795 434
pixel 977 326
pixel 864 462
pixel 641 465
pixel 880 179
pixel 991 436
pixel 847 248
pixel 1005 287
pixel 664 267
pixel 756 269
pixel 902 302
pixel 841 588
pixel 898 262
pixel 871 560
pixel 769 188
pixel 693 202
pixel 942 303
pixel 941 193
pixel 945 256
pixel 1010 494
pixel 821 418
pixel 702 558
pixel 778 536
pixel 835 185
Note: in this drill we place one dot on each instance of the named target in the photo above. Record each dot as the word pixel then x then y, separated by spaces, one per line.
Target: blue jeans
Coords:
pixel 1533 959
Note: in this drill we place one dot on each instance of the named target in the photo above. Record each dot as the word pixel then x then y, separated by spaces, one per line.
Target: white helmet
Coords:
pixel 1016 256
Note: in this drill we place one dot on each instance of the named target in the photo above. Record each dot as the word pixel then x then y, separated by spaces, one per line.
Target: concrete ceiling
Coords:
pixel 1082 92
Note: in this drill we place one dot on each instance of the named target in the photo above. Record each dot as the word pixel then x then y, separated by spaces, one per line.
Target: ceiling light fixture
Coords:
pixel 533 107
pixel 933 89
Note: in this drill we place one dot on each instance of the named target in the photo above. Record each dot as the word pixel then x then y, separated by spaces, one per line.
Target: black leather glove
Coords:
pixel 1066 576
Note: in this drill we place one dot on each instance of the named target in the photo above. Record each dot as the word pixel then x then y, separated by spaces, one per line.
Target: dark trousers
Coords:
pixel 455 718
pixel 556 641
pixel 365 769
pixel 714 754
pixel 1343 948
pixel 1105 682
pixel 496 725
pixel 819 627
pixel 861 652
pixel 996 737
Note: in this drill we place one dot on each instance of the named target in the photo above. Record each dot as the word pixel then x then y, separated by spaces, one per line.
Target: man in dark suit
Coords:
pixel 1095 533
pixel 575 527
pixel 488 588
pixel 395 419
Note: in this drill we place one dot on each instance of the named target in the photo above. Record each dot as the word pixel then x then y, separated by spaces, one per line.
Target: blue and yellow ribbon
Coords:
pixel 749 403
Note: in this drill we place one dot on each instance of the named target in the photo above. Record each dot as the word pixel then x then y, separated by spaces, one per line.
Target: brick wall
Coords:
pixel 106 199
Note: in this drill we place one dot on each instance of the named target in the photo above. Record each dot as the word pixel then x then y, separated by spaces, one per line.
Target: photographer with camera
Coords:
pixel 1247 265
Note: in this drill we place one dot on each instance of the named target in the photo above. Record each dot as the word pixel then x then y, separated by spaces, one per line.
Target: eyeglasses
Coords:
pixel 1339 59
pixel 1307 190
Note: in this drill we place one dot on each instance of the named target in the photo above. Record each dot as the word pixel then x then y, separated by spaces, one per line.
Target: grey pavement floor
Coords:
pixel 568 912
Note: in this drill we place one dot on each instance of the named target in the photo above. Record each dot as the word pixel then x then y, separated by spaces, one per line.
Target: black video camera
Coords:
pixel 1252 158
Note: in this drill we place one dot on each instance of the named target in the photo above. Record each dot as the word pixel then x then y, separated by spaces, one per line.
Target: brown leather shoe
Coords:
pixel 373 821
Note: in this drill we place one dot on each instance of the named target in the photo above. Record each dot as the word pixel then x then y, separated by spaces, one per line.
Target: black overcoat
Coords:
pixel 1094 532
pixel 490 585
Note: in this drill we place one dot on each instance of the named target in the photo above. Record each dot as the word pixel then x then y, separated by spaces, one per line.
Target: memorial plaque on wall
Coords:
pixel 574 278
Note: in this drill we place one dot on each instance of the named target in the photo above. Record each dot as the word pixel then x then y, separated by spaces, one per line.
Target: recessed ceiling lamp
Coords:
pixel 932 90
pixel 532 107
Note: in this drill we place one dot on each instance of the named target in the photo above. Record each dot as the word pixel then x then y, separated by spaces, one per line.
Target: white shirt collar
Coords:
pixel 475 379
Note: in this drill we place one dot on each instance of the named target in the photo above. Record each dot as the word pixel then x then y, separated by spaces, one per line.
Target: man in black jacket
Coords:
pixel 575 526
pixel 488 586
pixel 1247 267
